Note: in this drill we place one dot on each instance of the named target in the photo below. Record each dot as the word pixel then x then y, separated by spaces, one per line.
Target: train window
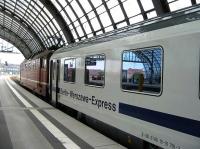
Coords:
pixel 34 63
pixel 95 70
pixel 142 70
pixel 70 70
pixel 43 61
pixel 29 65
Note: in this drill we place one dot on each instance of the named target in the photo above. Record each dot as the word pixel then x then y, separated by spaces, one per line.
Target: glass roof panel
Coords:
pixel 39 3
pixel 136 19
pixel 77 8
pixel 112 3
pixel 91 15
pixel 123 24
pixel 80 31
pixel 117 14
pixel 151 14
pixel 74 34
pixel 47 19
pixel 87 7
pixel 65 17
pixel 84 18
pixel 87 28
pixel 147 4
pixel 70 13
pixel 128 5
pixel 37 8
pixel 56 25
pixel 57 5
pixel 48 13
pixel 52 26
pixel 105 19
pixel 76 23
pixel 179 4
pixel 96 3
pixel 62 2
pixel 101 9
pixel 95 24
pixel 12 6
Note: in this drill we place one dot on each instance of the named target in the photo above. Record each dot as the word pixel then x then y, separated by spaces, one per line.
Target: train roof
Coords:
pixel 178 17
pixel 43 54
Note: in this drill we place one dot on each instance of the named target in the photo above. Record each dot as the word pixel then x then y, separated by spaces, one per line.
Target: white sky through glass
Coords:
pixel 9 57
pixel 131 8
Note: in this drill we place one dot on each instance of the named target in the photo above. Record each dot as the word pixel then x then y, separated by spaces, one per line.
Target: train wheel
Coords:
pixel 151 146
pixel 53 103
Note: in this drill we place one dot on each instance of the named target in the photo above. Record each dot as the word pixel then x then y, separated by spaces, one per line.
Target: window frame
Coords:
pixel 64 71
pixel 162 70
pixel 199 77
pixel 90 85
pixel 43 63
pixel 54 71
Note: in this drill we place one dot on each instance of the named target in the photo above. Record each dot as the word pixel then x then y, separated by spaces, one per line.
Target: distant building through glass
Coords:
pixel 10 58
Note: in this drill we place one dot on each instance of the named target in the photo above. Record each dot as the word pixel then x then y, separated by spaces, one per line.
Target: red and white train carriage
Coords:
pixel 34 73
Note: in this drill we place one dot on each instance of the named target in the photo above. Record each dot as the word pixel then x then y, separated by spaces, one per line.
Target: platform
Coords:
pixel 27 122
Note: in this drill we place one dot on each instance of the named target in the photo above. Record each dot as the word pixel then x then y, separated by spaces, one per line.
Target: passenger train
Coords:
pixel 139 83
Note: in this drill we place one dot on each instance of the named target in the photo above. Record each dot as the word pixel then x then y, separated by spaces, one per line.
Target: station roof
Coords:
pixel 37 25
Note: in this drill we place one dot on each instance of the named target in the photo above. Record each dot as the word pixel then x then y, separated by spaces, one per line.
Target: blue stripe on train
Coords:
pixel 185 125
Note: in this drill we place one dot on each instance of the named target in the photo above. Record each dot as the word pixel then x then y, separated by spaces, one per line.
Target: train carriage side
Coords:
pixel 29 74
pixel 54 75
pixel 34 73
pixel 146 85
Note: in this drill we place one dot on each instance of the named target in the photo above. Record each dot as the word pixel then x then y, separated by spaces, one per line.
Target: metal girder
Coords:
pixel 109 14
pixel 144 14
pixel 81 25
pixel 60 20
pixel 14 39
pixel 98 17
pixel 86 16
pixel 124 12
pixel 161 6
pixel 193 2
pixel 23 24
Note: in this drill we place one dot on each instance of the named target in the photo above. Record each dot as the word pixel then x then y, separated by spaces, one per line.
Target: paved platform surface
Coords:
pixel 27 122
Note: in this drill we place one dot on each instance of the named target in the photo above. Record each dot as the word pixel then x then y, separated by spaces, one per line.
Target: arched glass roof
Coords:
pixel 50 24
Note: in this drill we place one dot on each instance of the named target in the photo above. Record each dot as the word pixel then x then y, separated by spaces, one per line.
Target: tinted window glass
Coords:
pixel 69 70
pixel 141 70
pixel 54 70
pixel 43 61
pixel 94 70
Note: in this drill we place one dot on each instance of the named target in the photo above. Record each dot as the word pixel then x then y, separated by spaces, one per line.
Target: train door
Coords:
pixel 54 80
